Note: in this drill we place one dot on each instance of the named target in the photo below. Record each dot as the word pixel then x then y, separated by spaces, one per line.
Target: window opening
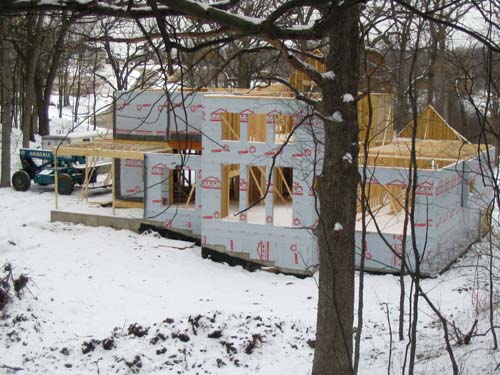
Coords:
pixel 283 127
pixel 386 199
pixel 178 186
pixel 257 181
pixel 230 126
pixel 257 127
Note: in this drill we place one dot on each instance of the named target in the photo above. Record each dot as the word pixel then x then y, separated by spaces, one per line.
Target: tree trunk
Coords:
pixel 66 87
pixel 54 62
pixel 244 72
pixel 337 186
pixel 401 107
pixel 32 53
pixel 6 104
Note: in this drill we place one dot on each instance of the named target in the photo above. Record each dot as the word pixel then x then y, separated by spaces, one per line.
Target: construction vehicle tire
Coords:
pixel 21 181
pixel 64 184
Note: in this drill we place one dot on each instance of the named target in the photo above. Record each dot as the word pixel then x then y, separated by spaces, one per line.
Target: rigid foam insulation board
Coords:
pixel 292 247
pixel 157 205
pixel 448 217
pixel 156 116
pixel 447 214
pixel 129 179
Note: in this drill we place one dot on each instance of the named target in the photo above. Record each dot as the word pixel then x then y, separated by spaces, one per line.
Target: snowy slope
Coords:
pixel 93 283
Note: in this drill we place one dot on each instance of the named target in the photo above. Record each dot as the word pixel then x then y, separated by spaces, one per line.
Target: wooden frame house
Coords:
pixel 236 169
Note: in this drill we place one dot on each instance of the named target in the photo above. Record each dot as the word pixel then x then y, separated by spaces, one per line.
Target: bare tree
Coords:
pixel 6 62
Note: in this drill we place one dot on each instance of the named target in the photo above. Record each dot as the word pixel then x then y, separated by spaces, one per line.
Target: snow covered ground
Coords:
pixel 104 301
pixel 90 284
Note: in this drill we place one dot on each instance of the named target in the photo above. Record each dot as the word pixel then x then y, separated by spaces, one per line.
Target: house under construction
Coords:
pixel 236 169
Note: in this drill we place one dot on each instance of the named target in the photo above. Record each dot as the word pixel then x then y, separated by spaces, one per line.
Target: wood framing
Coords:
pixel 229 150
pixel 116 149
pixel 430 154
pixel 283 127
pixel 256 183
pixel 431 125
pixel 376 119
pixel 300 81
pixel 230 186
pixel 380 196
pixel 127 204
pixel 283 184
pixel 230 126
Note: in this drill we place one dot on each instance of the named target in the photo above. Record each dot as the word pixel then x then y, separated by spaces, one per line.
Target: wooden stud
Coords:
pixel 280 171
pixel 225 191
pixel 190 196
pixel 127 204
pixel 56 179
pixel 85 180
pixel 113 191
pixel 171 186
pixel 256 181
pixel 107 180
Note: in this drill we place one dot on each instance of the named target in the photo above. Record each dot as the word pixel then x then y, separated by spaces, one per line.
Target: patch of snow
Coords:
pixel 338 227
pixel 328 75
pixel 347 98
pixel 336 117
pixel 347 157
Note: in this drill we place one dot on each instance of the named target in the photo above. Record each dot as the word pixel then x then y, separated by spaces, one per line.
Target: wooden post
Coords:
pixel 225 191
pixel 190 196
pixel 113 185
pixel 280 171
pixel 85 180
pixel 56 179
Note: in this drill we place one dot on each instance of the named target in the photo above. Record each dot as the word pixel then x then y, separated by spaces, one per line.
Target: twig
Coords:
pixel 12 368
pixel 469 334
pixel 390 339
pixel 97 365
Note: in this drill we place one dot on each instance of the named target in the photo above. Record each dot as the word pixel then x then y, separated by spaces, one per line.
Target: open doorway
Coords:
pixel 257 184
pixel 183 185
pixel 283 196
pixel 230 195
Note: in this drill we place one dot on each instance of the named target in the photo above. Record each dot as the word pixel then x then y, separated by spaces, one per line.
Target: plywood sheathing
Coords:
pixel 430 154
pixel 230 126
pixel 114 149
pixel 301 81
pixel 431 125
pixel 380 196
pixel 257 127
pixel 378 122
